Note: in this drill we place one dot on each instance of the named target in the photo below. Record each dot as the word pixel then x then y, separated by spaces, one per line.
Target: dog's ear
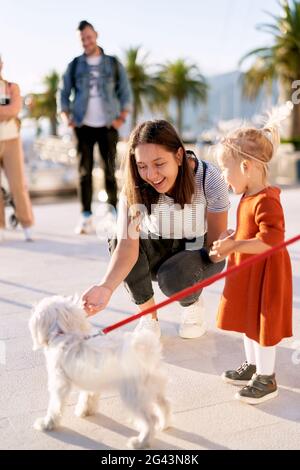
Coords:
pixel 71 318
pixel 56 314
pixel 39 328
pixel 75 301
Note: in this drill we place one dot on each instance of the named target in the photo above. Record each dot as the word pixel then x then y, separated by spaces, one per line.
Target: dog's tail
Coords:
pixel 143 349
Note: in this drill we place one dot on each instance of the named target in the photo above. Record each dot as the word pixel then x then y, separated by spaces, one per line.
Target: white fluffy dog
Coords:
pixel 130 362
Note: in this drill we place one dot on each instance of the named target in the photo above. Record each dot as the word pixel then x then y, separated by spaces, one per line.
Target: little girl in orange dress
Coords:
pixel 257 301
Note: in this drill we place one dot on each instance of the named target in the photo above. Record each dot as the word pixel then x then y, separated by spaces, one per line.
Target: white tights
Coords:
pixel 263 357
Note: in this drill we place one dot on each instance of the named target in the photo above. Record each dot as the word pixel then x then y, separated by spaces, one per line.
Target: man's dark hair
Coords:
pixel 84 24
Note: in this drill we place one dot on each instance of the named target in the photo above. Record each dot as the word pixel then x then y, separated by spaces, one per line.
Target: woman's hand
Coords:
pixel 95 299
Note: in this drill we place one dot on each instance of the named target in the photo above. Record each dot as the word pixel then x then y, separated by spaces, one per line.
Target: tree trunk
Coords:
pixel 53 123
pixel 179 115
pixel 290 128
pixel 38 129
pixel 295 122
pixel 134 115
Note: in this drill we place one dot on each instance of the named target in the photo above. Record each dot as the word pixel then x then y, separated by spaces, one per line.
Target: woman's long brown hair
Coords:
pixel 137 191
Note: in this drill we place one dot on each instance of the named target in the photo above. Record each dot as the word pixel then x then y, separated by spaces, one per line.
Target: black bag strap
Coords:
pixel 73 71
pixel 115 67
pixel 116 70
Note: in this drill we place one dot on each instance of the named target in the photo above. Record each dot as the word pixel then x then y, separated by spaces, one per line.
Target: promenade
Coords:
pixel 206 416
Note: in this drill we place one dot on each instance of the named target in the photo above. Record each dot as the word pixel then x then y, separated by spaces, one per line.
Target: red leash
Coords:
pixel 199 285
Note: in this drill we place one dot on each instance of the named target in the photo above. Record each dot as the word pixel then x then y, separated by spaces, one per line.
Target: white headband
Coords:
pixel 233 147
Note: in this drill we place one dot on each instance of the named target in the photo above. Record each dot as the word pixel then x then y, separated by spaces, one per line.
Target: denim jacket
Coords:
pixel 117 96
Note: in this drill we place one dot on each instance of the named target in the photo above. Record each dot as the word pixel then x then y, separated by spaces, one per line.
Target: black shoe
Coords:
pixel 260 388
pixel 241 375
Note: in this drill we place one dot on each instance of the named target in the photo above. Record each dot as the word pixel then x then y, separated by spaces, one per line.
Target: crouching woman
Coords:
pixel 171 209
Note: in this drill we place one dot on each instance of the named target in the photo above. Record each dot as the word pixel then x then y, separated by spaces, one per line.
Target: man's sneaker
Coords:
pixel 85 225
pixel 260 388
pixel 241 375
pixel 192 324
pixel 148 323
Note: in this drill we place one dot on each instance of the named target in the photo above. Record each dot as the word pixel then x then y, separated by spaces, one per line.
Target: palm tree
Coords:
pixel 51 82
pixel 279 61
pixel 44 104
pixel 33 103
pixel 145 85
pixel 182 81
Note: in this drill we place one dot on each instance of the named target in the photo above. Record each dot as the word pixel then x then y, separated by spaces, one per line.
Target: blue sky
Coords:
pixel 37 36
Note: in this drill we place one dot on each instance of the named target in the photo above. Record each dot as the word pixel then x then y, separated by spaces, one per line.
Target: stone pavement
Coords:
pixel 205 414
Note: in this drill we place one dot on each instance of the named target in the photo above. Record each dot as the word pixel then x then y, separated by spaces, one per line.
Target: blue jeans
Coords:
pixel 171 265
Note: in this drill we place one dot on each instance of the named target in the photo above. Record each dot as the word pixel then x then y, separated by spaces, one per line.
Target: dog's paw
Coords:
pixel 137 443
pixel 82 411
pixel 134 443
pixel 167 423
pixel 44 424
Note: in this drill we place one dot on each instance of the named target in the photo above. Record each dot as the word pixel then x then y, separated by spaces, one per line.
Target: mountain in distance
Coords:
pixel 225 102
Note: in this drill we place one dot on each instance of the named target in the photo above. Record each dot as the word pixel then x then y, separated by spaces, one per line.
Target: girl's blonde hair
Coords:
pixel 259 145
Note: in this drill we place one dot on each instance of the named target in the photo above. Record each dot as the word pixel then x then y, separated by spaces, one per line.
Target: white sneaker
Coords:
pixel 148 323
pixel 192 324
pixel 28 234
pixel 2 236
pixel 85 225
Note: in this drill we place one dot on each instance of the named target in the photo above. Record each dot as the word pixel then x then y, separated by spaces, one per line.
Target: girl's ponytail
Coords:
pixel 273 122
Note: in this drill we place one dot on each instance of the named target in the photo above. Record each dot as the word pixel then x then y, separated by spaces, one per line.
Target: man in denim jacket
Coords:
pixel 101 100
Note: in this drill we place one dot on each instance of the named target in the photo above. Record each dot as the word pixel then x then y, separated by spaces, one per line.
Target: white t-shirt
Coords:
pixel 95 115
pixel 168 220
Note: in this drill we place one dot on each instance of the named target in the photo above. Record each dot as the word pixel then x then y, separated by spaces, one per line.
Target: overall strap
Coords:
pixel 191 154
pixel 204 167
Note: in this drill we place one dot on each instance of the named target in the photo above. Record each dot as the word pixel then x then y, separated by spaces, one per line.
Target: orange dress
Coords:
pixel 257 300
